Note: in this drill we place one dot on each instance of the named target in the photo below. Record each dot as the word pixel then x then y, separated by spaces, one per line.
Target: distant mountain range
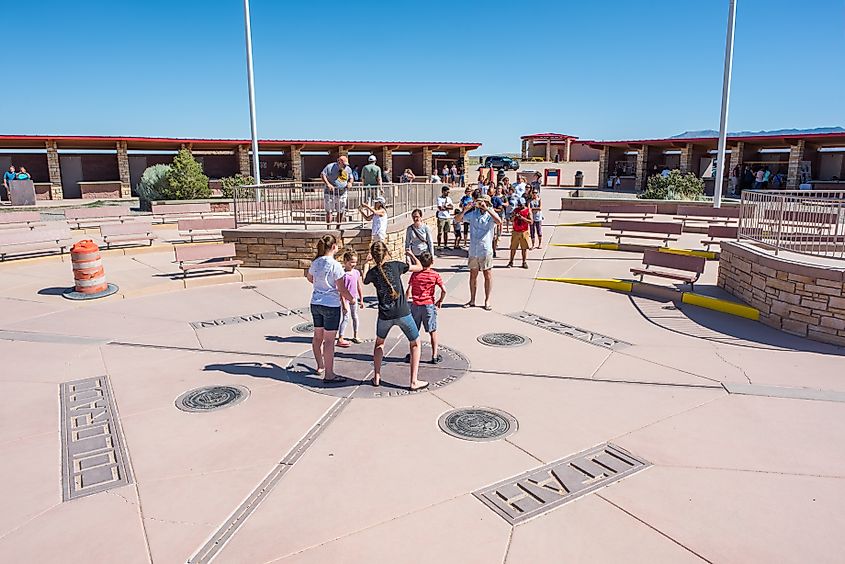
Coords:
pixel 713 133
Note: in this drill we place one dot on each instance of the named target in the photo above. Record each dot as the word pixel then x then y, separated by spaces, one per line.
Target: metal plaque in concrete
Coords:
pixel 93 450
pixel 540 490
pixel 210 398
pixel 305 328
pixel 247 318
pixel 569 330
pixel 503 339
pixel 478 423
pixel 356 365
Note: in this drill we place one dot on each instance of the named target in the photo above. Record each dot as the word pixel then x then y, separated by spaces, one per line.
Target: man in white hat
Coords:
pixel 371 173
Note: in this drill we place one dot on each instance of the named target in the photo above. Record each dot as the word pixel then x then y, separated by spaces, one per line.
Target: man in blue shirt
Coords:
pixel 8 176
pixel 483 222
pixel 337 177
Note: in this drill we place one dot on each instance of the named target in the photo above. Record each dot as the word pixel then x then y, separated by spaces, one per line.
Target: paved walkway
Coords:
pixel 299 473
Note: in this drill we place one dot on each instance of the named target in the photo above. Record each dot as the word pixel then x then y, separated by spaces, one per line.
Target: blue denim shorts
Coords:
pixel 406 323
pixel 425 316
pixel 325 317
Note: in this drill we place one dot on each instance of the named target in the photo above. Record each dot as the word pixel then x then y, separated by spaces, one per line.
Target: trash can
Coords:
pixel 579 179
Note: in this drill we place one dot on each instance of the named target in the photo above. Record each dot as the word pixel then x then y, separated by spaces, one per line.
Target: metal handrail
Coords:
pixel 302 203
pixel 810 222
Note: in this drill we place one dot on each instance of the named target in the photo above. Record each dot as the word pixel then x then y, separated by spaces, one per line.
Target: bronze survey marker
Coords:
pixel 540 490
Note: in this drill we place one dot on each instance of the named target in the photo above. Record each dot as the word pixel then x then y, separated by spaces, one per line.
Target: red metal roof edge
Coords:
pixel 716 139
pixel 549 136
pixel 235 141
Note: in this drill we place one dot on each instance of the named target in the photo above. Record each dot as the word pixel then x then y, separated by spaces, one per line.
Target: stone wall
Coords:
pixel 290 247
pixel 796 297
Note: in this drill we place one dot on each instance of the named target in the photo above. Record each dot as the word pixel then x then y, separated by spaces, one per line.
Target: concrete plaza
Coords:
pixel 741 427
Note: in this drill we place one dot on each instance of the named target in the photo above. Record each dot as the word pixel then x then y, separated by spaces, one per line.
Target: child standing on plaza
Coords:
pixel 349 309
pixel 378 214
pixel 423 306
pixel 458 228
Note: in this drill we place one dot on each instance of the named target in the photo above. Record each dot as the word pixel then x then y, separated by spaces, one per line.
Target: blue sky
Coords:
pixel 461 71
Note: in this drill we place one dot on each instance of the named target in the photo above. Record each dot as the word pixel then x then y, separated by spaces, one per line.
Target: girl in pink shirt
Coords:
pixel 349 310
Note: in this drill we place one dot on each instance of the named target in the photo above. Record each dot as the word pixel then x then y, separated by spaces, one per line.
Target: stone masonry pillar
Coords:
pixel 736 157
pixel 296 162
pixel 123 170
pixel 686 158
pixel 55 171
pixel 524 150
pixel 796 154
pixel 548 151
pixel 243 161
pixel 426 161
pixel 642 168
pixel 604 155
pixel 386 161
pixel 567 151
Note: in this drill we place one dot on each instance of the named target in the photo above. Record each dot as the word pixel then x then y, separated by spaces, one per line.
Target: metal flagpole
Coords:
pixel 726 94
pixel 256 171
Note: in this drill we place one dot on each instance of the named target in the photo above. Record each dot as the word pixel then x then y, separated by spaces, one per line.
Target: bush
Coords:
pixel 677 186
pixel 153 182
pixel 229 184
pixel 185 180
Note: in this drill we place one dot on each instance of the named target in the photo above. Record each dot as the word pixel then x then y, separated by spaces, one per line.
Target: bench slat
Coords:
pixel 663 274
pixel 205 252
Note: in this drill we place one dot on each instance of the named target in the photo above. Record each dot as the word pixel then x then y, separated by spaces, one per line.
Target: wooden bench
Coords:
pixel 129 232
pixel 207 257
pixel 34 241
pixel 685 268
pixel 94 217
pixel 209 229
pixel 626 211
pixel 715 232
pixel 706 214
pixel 20 220
pixel 168 213
pixel 665 230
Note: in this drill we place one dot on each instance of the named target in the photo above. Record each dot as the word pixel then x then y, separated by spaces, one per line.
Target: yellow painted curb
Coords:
pixel 724 306
pixel 710 255
pixel 582 224
pixel 609 283
pixel 603 246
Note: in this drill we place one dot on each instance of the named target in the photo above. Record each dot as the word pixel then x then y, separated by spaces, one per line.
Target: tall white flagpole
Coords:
pixel 256 171
pixel 726 94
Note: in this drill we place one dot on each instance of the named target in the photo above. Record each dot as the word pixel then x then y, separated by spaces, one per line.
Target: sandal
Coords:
pixel 334 380
pixel 468 305
pixel 524 265
pixel 355 340
pixel 342 344
pixel 488 308
pixel 421 385
pixel 376 382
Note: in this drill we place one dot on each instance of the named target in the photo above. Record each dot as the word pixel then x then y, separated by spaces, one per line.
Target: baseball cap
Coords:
pixel 371 158
pixel 379 199
pixel 484 198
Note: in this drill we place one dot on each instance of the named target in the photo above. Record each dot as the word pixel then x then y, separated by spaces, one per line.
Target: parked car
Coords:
pixel 503 163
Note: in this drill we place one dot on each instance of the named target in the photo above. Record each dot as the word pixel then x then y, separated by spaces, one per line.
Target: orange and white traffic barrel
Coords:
pixel 89 276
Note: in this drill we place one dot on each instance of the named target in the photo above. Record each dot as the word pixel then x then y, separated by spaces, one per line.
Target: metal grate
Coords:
pixel 540 490
pixel 478 424
pixel 210 398
pixel 503 340
pixel 304 328
pixel 569 330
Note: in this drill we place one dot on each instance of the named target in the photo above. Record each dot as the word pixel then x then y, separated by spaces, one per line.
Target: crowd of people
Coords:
pixel 478 220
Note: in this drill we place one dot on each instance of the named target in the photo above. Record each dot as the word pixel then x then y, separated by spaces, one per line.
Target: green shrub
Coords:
pixel 677 186
pixel 153 182
pixel 185 180
pixel 229 184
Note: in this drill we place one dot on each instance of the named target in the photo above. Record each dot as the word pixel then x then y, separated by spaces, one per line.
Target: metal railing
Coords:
pixel 302 203
pixel 811 222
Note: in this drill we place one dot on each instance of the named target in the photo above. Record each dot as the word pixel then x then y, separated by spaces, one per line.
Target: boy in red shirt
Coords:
pixel 423 306
pixel 519 237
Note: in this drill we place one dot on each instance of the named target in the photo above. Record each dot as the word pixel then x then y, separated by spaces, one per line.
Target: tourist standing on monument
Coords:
pixel 376 213
pixel 445 205
pixel 418 236
pixel 327 277
pixel 8 176
pixel 349 310
pixel 371 173
pixel 519 233
pixel 423 305
pixel 445 175
pixel 393 308
pixel 337 177
pixel 535 206
pixel 454 175
pixel 482 226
